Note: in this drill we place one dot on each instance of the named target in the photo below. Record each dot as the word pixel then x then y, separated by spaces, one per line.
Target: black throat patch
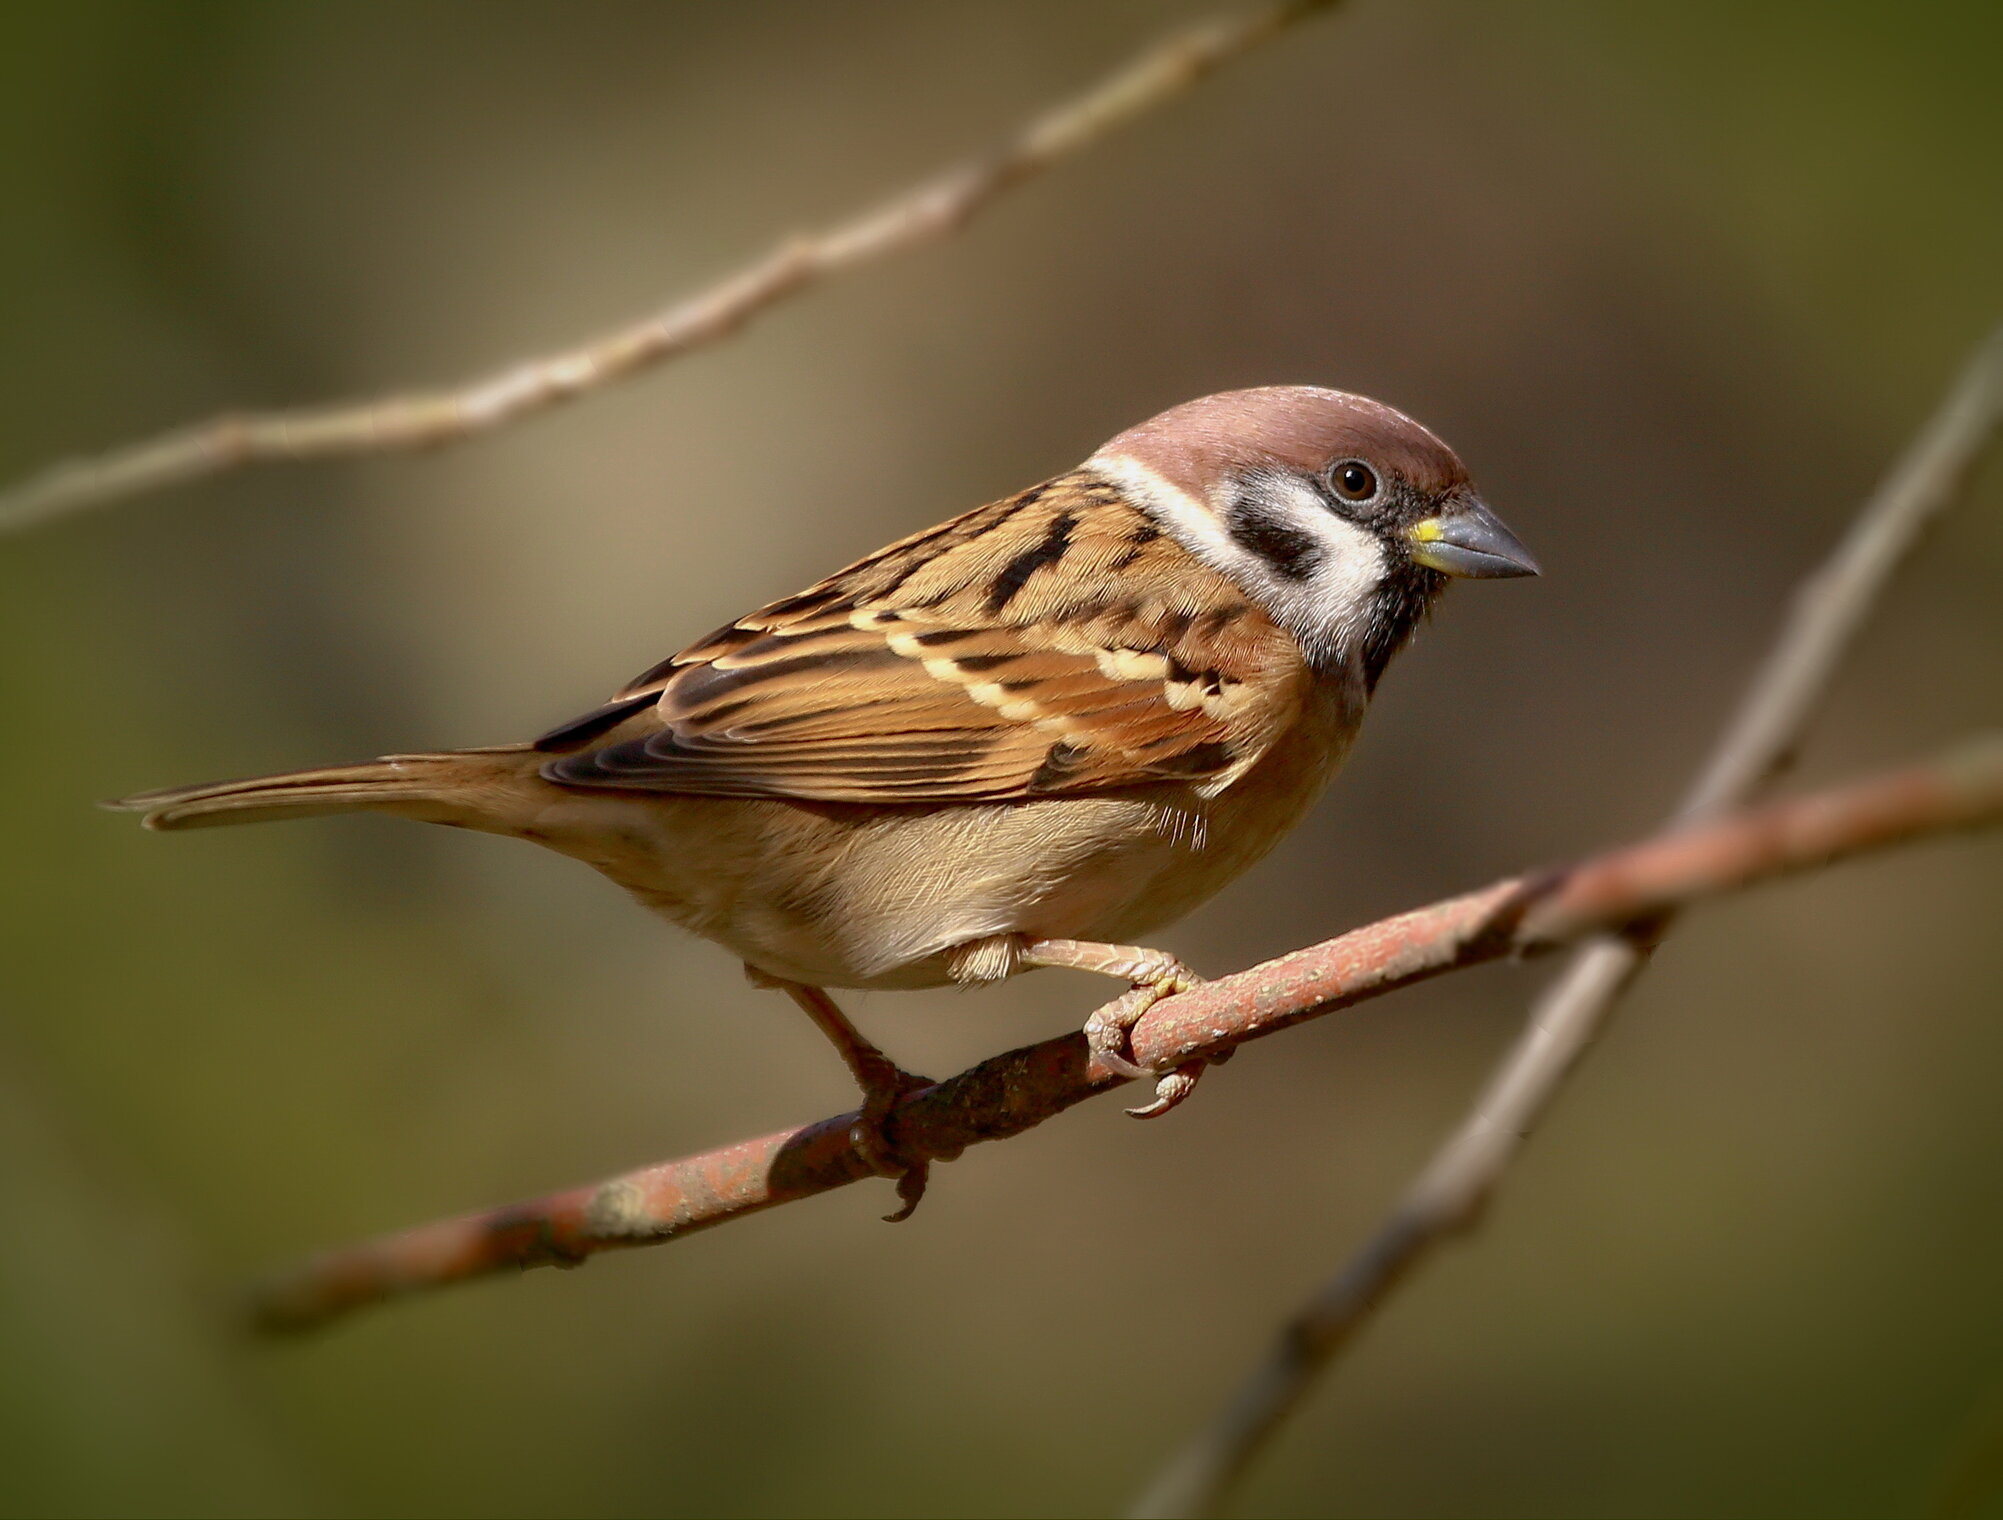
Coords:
pixel 1396 608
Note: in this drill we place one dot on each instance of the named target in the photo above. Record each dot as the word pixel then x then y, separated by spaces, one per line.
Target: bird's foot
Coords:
pixel 1155 974
pixel 884 1084
pixel 1156 977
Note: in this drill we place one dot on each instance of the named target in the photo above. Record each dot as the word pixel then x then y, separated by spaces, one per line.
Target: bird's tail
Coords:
pixel 462 787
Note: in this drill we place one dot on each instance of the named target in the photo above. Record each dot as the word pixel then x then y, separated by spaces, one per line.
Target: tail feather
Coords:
pixel 441 788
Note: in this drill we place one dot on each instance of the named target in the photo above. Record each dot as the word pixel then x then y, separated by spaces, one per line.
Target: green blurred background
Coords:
pixel 1677 280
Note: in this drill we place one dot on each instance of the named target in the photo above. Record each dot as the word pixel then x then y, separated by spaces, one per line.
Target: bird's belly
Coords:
pixel 840 896
pixel 880 902
pixel 1103 868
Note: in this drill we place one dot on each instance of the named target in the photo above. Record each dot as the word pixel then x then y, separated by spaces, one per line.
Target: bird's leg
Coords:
pixel 1155 974
pixel 883 1083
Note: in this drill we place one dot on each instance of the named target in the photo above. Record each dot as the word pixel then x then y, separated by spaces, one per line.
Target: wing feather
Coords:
pixel 1054 643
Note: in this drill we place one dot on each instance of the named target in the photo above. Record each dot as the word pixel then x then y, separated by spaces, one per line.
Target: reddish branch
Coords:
pixel 1010 1093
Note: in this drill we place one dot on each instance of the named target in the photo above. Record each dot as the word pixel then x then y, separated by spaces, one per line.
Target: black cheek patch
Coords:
pixel 1289 551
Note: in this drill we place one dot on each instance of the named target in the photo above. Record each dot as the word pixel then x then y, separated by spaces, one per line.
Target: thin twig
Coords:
pixel 1828 611
pixel 932 210
pixel 1010 1093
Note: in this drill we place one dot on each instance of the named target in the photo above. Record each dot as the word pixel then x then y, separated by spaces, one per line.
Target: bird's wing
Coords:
pixel 1053 643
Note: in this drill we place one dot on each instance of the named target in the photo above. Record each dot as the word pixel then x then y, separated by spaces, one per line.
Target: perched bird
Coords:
pixel 1022 738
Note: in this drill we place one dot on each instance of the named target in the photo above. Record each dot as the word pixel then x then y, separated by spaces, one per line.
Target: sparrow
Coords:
pixel 1024 738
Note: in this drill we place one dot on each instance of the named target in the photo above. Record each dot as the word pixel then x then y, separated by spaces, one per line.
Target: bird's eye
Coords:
pixel 1353 480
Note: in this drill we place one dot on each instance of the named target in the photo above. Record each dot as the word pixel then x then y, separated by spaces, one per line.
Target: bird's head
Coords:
pixel 1341 516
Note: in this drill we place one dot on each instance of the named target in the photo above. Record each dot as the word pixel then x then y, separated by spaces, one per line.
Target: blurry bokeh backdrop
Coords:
pixel 1677 280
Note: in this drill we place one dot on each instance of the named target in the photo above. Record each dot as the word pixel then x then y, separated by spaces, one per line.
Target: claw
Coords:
pixel 1171 1087
pixel 910 1190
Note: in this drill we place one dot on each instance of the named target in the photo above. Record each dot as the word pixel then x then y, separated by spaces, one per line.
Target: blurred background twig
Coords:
pixel 933 209
pixel 1830 609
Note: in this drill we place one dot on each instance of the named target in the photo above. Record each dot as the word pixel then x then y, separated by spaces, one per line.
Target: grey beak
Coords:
pixel 1469 540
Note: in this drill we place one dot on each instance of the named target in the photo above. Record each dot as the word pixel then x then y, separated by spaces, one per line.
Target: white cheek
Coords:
pixel 1326 609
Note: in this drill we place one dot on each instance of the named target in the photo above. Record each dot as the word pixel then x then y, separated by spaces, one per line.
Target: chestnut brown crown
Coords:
pixel 1298 429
